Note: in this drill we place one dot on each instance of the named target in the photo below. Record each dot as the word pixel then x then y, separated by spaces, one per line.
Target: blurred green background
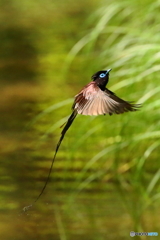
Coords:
pixel 105 181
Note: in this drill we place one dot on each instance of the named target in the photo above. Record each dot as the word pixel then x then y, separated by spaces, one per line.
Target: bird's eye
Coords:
pixel 102 75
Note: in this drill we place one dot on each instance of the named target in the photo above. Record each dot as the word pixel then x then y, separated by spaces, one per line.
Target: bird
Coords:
pixel 94 99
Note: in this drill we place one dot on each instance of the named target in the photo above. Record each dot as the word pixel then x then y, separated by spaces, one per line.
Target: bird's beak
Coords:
pixel 108 71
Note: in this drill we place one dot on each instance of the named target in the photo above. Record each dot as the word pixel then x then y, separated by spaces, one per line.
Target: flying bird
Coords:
pixel 94 99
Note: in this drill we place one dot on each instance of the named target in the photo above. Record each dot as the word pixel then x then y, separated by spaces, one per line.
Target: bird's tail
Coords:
pixel 66 127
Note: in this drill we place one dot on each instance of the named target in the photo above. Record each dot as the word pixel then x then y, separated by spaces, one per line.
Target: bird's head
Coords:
pixel 101 78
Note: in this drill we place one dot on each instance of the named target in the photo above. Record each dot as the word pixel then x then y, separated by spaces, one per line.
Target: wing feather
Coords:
pixel 93 101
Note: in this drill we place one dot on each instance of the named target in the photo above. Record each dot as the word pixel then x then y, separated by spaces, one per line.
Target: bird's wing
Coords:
pixel 119 105
pixel 93 101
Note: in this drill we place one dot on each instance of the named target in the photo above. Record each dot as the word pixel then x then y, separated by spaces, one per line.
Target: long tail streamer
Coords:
pixel 66 127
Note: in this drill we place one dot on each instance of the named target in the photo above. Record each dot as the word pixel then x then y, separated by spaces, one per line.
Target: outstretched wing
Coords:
pixel 93 101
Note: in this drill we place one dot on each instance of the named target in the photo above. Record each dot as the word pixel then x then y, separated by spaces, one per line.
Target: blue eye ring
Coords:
pixel 102 75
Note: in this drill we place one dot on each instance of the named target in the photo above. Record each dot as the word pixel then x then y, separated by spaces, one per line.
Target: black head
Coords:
pixel 101 78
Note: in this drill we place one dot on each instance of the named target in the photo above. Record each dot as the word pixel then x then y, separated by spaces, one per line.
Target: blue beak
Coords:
pixel 108 71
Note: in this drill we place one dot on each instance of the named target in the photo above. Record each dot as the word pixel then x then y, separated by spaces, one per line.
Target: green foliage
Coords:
pixel 123 36
pixel 59 45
